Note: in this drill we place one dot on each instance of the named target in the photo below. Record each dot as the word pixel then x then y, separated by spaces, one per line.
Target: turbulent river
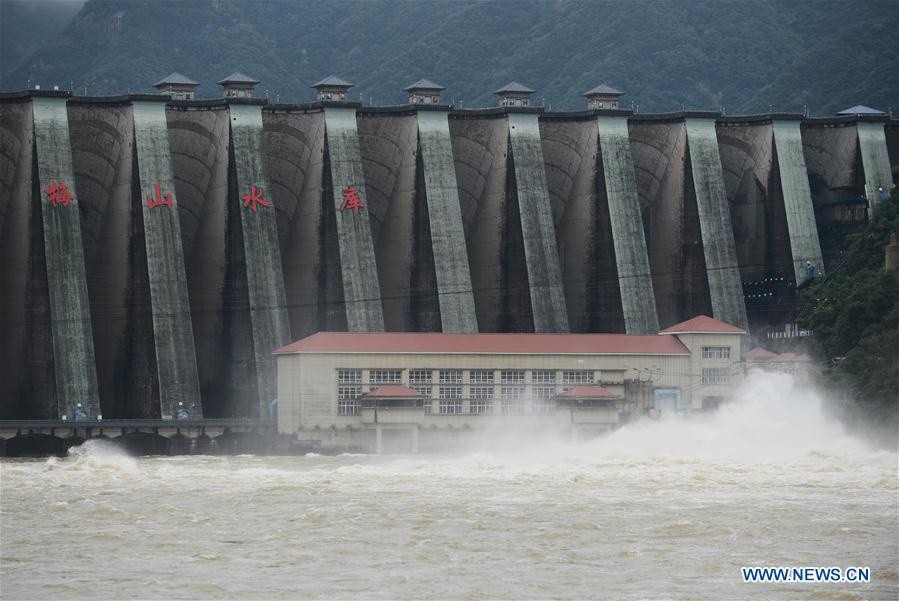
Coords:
pixel 659 509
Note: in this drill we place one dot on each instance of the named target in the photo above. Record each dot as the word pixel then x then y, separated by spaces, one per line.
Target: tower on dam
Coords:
pixel 158 248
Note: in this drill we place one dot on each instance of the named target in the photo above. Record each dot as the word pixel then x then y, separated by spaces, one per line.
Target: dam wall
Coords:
pixel 27 381
pixel 199 139
pixel 602 248
pixel 842 185
pixel 176 365
pixel 258 258
pixel 490 221
pixel 307 222
pixel 400 227
pixel 205 234
pixel 508 222
pixel 670 217
pixel 54 190
pixel 892 138
pixel 770 200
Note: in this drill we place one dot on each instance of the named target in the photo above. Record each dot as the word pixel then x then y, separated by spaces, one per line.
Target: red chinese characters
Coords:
pixel 58 194
pixel 157 199
pixel 351 200
pixel 254 198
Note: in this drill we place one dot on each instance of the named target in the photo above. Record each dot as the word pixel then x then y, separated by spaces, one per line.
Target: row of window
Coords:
pixel 716 352
pixel 506 406
pixel 352 391
pixel 454 376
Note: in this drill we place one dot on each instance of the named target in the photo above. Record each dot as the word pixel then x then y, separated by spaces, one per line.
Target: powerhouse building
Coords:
pixel 408 391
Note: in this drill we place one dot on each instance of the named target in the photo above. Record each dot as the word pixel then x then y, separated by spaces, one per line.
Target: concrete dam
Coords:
pixel 156 250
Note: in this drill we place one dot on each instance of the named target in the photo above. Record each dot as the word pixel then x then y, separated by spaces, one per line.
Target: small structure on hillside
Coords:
pixel 424 91
pixel 178 86
pixel 332 89
pixel 514 94
pixel 238 85
pixel 603 97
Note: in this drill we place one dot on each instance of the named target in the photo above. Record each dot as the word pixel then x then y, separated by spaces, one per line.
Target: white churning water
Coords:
pixel 667 509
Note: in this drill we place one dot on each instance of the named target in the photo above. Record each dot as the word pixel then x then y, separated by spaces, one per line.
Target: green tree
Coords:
pixel 854 314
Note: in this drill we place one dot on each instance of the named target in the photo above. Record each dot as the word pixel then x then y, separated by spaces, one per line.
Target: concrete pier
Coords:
pixel 176 366
pixel 797 198
pixel 721 265
pixel 631 258
pixel 875 161
pixel 769 196
pixel 260 254
pixel 70 319
pixel 451 264
pixel 538 234
pixel 361 289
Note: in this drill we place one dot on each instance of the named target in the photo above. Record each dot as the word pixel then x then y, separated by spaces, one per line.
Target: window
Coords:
pixel 543 399
pixel 577 377
pixel 419 376
pixel 349 376
pixel 715 375
pixel 481 406
pixel 348 400
pixel 450 376
pixel 428 405
pixel 716 352
pixel 512 376
pixel 481 392
pixel 481 376
pixel 424 391
pixel 450 407
pixel 512 400
pixel 450 392
pixel 385 376
pixel 543 376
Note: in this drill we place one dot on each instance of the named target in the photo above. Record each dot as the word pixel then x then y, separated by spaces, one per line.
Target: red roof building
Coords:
pixel 486 344
pixel 703 324
pixel 399 390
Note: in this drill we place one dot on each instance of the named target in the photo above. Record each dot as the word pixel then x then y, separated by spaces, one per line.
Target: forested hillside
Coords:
pixel 744 55
pixel 854 314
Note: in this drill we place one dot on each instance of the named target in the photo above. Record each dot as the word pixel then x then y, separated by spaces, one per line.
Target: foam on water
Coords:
pixel 95 455
pixel 772 419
